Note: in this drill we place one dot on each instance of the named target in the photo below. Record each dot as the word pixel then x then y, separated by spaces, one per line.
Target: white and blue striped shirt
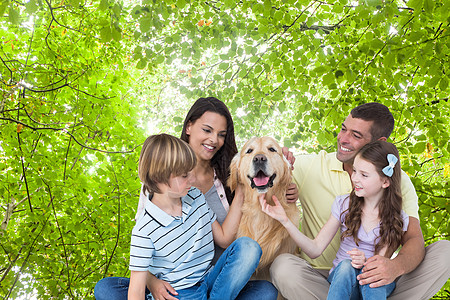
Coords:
pixel 178 250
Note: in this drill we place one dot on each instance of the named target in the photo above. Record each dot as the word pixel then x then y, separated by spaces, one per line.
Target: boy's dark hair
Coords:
pixel 383 121
pixel 162 156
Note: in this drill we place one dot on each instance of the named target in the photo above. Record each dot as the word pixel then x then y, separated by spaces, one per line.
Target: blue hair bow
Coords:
pixel 389 169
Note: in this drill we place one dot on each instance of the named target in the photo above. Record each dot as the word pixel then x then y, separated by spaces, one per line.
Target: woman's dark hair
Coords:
pixel 389 207
pixel 222 159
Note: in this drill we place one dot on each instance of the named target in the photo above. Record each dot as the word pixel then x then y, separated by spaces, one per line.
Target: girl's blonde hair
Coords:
pixel 389 207
pixel 163 156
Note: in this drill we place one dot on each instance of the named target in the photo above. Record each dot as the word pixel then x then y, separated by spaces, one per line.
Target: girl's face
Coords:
pixel 367 182
pixel 207 134
pixel 180 185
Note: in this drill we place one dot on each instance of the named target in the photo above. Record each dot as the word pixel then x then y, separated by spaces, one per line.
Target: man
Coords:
pixel 420 272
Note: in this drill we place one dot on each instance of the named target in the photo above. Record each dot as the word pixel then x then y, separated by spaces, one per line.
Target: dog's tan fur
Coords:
pixel 268 232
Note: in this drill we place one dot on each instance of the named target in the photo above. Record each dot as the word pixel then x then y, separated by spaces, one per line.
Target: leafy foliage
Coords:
pixel 83 83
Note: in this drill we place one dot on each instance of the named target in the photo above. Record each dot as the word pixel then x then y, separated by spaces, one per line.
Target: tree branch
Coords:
pixel 70 134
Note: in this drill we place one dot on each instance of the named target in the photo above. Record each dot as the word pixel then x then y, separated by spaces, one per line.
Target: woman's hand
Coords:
pixel 292 193
pixel 358 258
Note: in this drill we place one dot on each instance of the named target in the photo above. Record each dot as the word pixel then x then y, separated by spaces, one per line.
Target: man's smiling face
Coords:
pixel 354 134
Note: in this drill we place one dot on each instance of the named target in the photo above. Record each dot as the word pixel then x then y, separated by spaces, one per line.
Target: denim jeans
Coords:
pixel 344 285
pixel 228 279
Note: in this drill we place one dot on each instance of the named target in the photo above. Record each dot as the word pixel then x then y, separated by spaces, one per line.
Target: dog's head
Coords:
pixel 260 164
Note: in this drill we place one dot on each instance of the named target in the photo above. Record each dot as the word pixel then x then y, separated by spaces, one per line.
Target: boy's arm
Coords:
pixel 136 290
pixel 224 235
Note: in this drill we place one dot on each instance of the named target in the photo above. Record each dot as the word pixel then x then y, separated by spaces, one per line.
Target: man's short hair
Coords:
pixel 383 121
pixel 163 156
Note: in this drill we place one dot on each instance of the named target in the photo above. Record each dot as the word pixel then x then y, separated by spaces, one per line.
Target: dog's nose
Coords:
pixel 259 158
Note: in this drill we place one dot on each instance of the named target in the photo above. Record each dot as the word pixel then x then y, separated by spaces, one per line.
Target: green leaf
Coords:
pixel 443 84
pixel 75 3
pixel 223 66
pixel 31 6
pixel 104 4
pixel 278 15
pixel 328 79
pixel 3 6
pixel 180 4
pixel 142 63
pixel 13 16
pixel 419 147
pixel 159 59
pixel 145 24
pixel 416 4
pixel 428 5
pixel 116 34
pixel 105 34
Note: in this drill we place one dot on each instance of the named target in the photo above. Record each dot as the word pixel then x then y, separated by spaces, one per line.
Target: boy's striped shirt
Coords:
pixel 178 250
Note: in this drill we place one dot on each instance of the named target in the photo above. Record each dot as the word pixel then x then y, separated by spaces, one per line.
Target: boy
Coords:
pixel 173 237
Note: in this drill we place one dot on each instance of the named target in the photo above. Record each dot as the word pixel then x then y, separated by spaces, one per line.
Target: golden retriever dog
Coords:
pixel 261 168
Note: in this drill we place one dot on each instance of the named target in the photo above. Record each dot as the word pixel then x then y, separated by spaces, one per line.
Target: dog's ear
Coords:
pixel 233 180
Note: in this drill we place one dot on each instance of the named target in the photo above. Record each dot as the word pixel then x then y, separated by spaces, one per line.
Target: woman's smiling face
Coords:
pixel 207 134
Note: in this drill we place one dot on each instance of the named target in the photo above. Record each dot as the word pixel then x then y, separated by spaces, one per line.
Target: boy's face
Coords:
pixel 180 185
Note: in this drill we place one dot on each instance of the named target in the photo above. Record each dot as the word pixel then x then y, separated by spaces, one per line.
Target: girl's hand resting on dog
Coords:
pixel 276 211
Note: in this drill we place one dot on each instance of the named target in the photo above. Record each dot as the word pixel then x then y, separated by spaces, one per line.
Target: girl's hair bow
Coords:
pixel 389 169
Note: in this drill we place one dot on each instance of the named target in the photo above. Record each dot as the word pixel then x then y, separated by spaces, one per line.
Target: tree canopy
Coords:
pixel 83 83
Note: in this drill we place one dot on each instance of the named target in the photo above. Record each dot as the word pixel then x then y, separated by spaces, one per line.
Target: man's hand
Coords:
pixel 289 156
pixel 378 271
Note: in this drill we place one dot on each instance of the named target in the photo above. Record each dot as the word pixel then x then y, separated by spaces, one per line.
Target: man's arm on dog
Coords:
pixel 292 191
pixel 289 156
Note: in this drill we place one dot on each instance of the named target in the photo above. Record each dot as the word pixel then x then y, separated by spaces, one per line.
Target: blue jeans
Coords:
pixel 228 279
pixel 344 285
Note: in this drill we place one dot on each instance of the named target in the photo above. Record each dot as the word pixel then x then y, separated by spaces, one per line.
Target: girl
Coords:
pixel 370 218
